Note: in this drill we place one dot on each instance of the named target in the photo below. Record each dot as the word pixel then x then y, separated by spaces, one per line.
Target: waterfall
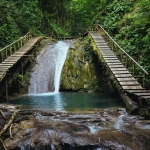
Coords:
pixel 46 74
pixel 61 56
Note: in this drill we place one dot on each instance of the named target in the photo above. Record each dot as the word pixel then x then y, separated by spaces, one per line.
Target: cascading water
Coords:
pixel 46 75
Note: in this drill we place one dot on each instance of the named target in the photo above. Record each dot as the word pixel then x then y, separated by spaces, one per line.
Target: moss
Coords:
pixel 83 68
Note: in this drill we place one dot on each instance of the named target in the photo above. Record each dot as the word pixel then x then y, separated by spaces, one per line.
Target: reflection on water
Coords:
pixel 68 101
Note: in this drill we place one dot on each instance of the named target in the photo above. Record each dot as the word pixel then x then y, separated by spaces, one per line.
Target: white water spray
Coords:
pixel 46 75
pixel 120 121
pixel 62 49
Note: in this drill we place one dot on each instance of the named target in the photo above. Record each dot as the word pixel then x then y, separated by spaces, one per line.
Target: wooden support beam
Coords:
pixel 6 85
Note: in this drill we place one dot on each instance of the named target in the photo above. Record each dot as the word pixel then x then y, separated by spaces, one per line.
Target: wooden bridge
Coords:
pixel 13 53
pixel 119 62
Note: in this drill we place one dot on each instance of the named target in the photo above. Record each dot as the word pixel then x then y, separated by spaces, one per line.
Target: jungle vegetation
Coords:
pixel 127 21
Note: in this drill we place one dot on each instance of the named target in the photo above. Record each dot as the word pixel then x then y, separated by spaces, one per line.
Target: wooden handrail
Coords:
pixel 13 47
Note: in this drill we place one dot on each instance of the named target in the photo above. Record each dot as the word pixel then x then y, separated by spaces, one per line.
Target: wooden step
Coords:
pixel 105 50
pixel 9 63
pixel 118 69
pixel 137 91
pixel 126 79
pixel 115 58
pixel 120 72
pixel 131 87
pixel 123 75
pixel 142 94
pixel 101 46
pixel 110 56
pixel 117 61
pixel 116 66
pixel 129 83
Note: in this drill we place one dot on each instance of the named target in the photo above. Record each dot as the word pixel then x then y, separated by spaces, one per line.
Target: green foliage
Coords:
pixel 128 22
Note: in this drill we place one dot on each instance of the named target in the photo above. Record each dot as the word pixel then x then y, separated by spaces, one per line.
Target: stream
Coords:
pixel 71 120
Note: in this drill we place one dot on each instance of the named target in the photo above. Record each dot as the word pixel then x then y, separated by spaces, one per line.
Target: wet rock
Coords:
pixel 141 118
pixel 143 111
pixel 66 131
pixel 146 122
pixel 81 128
pixel 47 114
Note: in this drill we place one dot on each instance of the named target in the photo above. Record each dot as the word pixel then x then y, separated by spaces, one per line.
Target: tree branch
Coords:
pixel 3 114
pixel 8 124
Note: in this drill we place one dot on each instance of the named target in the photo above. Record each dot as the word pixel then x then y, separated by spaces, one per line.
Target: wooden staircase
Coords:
pixel 123 76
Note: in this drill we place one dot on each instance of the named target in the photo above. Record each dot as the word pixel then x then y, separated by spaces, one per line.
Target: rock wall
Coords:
pixel 82 70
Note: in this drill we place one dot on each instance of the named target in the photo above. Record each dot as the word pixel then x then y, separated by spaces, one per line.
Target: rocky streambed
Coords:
pixel 98 129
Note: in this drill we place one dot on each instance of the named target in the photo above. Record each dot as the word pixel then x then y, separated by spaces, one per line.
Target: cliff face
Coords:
pixel 82 71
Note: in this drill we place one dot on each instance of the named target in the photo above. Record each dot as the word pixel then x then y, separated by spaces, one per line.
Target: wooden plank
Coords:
pixel 98 38
pixel 131 87
pixel 4 65
pixel 120 72
pixel 123 75
pixel 118 69
pixel 4 69
pixel 146 97
pixel 114 63
pixel 129 83
pixel 111 58
pixel 101 46
pixel 107 54
pixel 136 91
pixel 126 79
pixel 9 63
pixel 20 53
pixel 105 50
pixel 142 94
pixel 116 66
pixel 13 58
pixel 117 61
pixel 100 41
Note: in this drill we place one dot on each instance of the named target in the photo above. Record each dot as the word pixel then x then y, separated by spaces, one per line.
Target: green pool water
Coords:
pixel 63 101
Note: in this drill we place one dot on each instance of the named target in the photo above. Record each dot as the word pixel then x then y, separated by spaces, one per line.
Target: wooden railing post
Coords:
pixel 133 69
pixel 10 49
pixel 121 56
pixel 15 47
pixel 1 56
pixel 126 65
pixel 144 78
pixel 112 46
pixel 6 88
pixel 5 53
